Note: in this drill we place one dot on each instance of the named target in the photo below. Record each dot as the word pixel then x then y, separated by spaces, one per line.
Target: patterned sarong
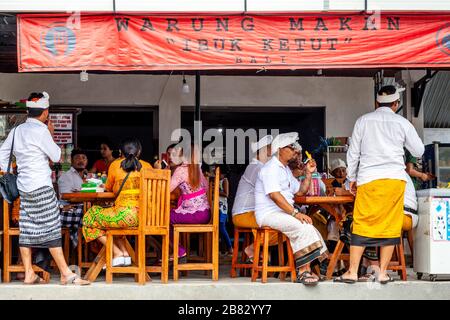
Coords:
pixel 39 222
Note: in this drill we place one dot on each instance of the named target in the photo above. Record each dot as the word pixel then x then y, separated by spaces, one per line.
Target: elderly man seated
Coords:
pixel 70 181
pixel 274 206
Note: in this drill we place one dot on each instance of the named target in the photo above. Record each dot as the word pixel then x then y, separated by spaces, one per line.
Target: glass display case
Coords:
pixel 9 121
pixel 436 160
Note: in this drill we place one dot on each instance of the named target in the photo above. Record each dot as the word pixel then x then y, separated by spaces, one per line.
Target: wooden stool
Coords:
pixel 234 263
pixel 265 268
pixel 337 255
pixel 398 264
pixel 8 233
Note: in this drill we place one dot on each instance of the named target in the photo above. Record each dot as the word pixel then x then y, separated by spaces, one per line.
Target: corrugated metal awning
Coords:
pixel 436 101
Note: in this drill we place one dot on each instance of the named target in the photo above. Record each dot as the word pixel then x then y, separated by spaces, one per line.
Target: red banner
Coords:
pixel 130 42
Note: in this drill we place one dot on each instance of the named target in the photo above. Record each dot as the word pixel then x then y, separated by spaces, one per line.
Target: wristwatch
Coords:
pixel 294 212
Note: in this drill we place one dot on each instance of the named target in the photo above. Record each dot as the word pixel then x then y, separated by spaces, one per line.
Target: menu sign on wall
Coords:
pixel 62 121
pixel 63 137
pixel 63 124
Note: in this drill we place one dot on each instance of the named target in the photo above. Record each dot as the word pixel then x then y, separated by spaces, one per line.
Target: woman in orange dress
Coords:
pixel 124 213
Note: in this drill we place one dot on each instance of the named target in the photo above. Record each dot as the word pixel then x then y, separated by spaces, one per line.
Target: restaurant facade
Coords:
pixel 252 56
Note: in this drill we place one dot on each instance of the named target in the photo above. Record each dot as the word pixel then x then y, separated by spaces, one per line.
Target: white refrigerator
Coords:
pixel 432 235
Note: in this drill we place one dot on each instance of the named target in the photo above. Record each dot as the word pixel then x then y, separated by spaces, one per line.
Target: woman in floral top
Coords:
pixel 193 206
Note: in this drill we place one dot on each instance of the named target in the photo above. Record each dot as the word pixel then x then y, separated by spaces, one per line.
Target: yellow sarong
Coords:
pixel 378 211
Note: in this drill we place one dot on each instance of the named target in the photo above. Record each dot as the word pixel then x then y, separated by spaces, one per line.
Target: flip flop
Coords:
pixel 368 277
pixel 344 280
pixel 37 280
pixel 306 275
pixel 389 279
pixel 71 281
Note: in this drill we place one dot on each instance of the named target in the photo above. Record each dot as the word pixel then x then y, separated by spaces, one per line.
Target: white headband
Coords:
pixel 42 103
pixel 390 97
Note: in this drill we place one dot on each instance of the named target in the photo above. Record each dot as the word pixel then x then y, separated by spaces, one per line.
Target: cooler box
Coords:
pixel 432 235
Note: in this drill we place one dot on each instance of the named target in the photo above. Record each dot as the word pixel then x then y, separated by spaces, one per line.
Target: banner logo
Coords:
pixel 443 39
pixel 58 40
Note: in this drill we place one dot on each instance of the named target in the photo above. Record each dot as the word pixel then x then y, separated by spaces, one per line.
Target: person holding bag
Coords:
pixel 124 180
pixel 39 223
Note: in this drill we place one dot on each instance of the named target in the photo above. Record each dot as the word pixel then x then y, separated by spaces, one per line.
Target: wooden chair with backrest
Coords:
pixel 154 219
pixel 203 238
pixel 8 233
pixel 211 231
pixel 135 267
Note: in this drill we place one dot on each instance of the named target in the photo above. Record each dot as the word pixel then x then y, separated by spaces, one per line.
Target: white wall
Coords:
pixel 441 135
pixel 345 99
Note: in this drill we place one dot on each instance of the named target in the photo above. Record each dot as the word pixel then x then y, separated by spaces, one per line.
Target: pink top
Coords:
pixel 193 204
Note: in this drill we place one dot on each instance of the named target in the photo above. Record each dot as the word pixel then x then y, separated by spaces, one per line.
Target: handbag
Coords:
pixel 8 182
pixel 111 204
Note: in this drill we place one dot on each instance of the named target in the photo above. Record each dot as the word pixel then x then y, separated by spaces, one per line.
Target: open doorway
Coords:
pixel 309 122
pixel 114 124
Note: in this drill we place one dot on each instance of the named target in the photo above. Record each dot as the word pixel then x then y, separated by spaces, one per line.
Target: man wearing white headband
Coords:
pixel 275 190
pixel 244 203
pixel 40 225
pixel 376 167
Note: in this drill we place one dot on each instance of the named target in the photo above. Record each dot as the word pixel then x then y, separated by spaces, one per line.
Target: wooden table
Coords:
pixel 327 203
pixel 81 197
pixel 330 204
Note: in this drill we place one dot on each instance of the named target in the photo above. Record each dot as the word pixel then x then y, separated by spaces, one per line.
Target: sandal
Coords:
pixel 368 277
pixel 389 279
pixel 344 280
pixel 305 276
pixel 37 280
pixel 72 281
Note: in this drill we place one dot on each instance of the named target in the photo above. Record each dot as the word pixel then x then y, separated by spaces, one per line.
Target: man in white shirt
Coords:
pixel 71 181
pixel 244 203
pixel 39 223
pixel 275 189
pixel 376 167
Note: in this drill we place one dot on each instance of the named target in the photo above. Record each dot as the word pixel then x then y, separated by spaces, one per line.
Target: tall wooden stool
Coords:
pixel 399 263
pixel 8 233
pixel 337 256
pixel 234 261
pixel 265 268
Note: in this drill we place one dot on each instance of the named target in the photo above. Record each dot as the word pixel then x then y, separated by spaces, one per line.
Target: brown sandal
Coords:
pixel 71 281
pixel 37 280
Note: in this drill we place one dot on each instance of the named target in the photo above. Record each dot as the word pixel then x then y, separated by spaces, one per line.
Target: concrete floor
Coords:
pixel 199 286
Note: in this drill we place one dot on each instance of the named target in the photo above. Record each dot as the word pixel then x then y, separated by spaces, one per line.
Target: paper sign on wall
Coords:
pixel 63 137
pixel 62 121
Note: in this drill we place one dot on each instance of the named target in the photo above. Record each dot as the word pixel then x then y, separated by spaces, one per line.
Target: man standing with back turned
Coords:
pixel 377 169
pixel 39 223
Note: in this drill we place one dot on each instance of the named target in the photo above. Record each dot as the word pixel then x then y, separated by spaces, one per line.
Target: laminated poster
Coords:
pixel 440 219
